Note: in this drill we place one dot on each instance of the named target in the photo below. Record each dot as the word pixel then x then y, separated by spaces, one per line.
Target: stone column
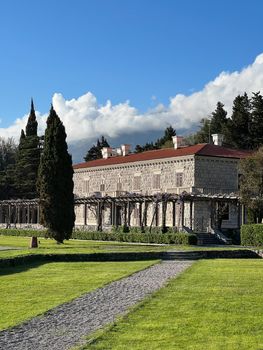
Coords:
pixel 140 215
pixel 129 214
pixel 38 214
pixel 85 214
pixel 28 214
pixel 243 214
pixel 182 214
pixel 174 213
pixel 191 214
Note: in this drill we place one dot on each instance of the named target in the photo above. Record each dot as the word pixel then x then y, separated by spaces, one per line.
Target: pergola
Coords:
pixel 26 211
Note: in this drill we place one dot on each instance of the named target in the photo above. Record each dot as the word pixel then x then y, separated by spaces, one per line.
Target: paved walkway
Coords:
pixel 65 326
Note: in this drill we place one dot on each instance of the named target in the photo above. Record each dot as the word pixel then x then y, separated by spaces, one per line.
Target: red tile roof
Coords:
pixel 202 149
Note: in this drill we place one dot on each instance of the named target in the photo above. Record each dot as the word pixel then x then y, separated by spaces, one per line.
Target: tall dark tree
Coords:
pixel 215 125
pixel 251 185
pixel 166 140
pixel 95 151
pixel 237 131
pixel 28 158
pixel 218 119
pixel 8 150
pixel 256 126
pixel 55 181
pixel 203 135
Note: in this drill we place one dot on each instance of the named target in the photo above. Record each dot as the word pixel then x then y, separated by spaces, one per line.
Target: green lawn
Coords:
pixel 216 304
pixel 32 289
pixel 48 246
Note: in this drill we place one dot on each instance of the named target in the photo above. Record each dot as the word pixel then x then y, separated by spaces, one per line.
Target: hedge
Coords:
pixel 22 232
pixel 137 237
pixel 252 235
pixel 117 235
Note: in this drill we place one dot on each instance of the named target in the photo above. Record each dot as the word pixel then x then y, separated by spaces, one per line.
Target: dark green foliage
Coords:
pixel 215 125
pixel 23 232
pixel 136 236
pixel 28 158
pixel 31 127
pixel 238 135
pixel 252 235
pixel 55 182
pixel 202 136
pixel 149 146
pixel 256 125
pixel 8 151
pixel 95 151
pixel 251 185
pixel 163 142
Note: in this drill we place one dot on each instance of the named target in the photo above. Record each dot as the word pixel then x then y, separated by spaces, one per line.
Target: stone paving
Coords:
pixel 66 325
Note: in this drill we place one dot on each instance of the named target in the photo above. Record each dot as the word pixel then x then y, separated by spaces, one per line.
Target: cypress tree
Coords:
pixel 28 157
pixel 55 181
pixel 256 125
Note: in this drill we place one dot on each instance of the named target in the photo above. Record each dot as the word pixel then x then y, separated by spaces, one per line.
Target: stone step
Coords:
pixel 192 255
pixel 207 239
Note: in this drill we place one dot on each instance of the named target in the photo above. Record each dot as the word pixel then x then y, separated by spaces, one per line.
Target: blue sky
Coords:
pixel 143 51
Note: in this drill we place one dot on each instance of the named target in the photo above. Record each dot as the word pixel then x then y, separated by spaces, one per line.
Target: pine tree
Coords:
pixel 218 119
pixel 28 158
pixel 95 151
pixel 55 182
pixel 216 125
pixel 256 126
pixel 237 133
pixel 167 140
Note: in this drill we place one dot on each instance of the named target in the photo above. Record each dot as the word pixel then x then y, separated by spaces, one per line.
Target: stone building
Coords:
pixel 201 182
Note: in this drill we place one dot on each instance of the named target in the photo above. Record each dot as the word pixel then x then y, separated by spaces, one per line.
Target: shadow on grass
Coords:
pixel 9 270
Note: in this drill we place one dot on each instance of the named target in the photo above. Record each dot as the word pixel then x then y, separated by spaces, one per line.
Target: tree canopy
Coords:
pixel 95 151
pixel 164 142
pixel 251 185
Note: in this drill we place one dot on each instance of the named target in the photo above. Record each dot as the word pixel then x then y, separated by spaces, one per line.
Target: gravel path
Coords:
pixel 64 326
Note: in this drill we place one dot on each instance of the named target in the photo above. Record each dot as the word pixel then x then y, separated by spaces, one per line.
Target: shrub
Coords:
pixel 137 237
pixel 23 232
pixel 252 235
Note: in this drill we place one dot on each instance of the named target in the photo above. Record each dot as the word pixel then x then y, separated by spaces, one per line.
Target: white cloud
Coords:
pixel 84 118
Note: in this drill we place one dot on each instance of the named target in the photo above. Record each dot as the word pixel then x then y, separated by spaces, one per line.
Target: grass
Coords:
pixel 48 246
pixel 214 305
pixel 30 290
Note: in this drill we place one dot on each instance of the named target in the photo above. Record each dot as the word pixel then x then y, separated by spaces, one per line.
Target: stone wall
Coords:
pixel 193 174
pixel 215 174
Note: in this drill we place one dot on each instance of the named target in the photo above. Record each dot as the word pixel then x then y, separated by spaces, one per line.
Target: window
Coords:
pixel 102 187
pixel 179 179
pixel 119 186
pixel 137 183
pixel 85 186
pixel 156 181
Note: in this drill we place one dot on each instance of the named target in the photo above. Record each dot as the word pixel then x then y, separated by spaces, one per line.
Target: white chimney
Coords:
pixel 106 152
pixel 177 141
pixel 125 149
pixel 218 139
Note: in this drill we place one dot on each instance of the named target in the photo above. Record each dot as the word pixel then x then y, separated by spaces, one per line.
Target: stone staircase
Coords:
pixel 207 239
pixel 182 255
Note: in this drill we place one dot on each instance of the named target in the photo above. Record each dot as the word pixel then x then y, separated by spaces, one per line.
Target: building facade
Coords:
pixel 201 174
